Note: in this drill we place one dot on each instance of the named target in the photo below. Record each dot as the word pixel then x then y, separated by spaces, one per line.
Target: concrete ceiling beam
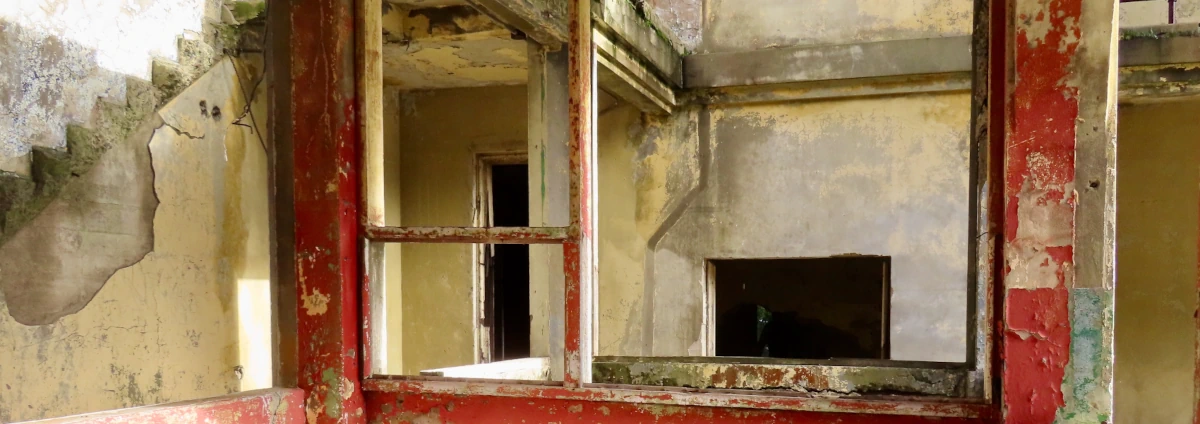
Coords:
pixel 543 21
pixel 1155 63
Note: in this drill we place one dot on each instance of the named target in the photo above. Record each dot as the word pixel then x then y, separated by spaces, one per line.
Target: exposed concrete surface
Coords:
pixel 1187 11
pixel 99 223
pixel 1144 13
pixel 1157 197
pixel 166 328
pixel 449 47
pixel 737 25
pixel 681 19
pixel 881 59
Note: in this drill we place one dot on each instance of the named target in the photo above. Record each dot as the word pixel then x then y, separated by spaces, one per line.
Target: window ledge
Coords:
pixel 879 405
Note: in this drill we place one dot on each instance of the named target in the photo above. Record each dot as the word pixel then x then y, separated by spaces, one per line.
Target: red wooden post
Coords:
pixel 578 251
pixel 1057 293
pixel 325 136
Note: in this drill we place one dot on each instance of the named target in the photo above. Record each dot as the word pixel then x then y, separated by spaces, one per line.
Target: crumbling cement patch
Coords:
pixel 92 211
pixel 91 214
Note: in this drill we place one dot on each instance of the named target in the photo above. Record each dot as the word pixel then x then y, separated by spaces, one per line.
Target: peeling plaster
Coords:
pixel 163 329
pixel 450 47
pixel 106 213
pixel 473 60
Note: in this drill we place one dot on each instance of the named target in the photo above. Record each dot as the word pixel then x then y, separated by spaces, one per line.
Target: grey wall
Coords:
pixel 737 25
pixel 879 176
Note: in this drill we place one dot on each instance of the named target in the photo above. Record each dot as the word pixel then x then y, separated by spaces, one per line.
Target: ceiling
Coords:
pixel 432 44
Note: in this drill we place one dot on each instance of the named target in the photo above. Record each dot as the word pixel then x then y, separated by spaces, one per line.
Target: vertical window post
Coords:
pixel 578 251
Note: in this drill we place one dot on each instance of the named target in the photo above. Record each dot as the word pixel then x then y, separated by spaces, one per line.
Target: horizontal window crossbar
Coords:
pixel 828 377
pixel 482 235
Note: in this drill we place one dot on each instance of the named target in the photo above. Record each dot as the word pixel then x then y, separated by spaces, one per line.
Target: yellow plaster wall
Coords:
pixel 167 328
pixel 392 170
pixel 646 165
pixel 1158 174
pixel 440 133
pixel 621 248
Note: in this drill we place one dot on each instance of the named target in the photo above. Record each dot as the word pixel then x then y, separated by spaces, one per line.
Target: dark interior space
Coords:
pixel 818 308
pixel 508 270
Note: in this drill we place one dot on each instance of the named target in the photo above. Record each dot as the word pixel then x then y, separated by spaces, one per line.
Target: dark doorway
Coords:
pixel 508 265
pixel 819 308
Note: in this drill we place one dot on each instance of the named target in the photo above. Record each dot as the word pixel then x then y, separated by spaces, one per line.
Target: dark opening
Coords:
pixel 508 266
pixel 820 308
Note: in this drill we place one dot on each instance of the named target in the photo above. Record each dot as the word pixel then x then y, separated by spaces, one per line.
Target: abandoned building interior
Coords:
pixel 593 211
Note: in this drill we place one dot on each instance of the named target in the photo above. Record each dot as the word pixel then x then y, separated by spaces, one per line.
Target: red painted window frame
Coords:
pixel 325 115
pixel 577 240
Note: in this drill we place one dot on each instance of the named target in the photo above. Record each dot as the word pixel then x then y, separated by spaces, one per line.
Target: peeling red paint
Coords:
pixel 395 408
pixel 885 406
pixel 1037 347
pixel 325 136
pixel 489 235
pixel 1039 224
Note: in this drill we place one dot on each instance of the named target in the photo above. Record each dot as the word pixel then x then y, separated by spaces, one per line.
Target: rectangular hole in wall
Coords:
pixel 813 308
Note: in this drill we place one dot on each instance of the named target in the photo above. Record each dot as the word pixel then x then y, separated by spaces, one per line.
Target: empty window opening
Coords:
pixel 818 308
pixel 507 266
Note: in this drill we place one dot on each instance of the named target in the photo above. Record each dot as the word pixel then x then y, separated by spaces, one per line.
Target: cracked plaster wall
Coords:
pixel 187 188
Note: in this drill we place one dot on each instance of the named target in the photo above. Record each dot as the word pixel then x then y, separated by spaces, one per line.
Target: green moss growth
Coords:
pixel 640 10
pixel 1157 33
pixel 15 190
pixel 228 36
pixel 53 170
pixel 246 10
